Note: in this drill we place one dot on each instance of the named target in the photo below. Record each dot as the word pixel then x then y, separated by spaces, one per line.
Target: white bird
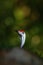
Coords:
pixel 22 37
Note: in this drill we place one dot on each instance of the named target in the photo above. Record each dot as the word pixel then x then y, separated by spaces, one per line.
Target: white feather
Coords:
pixel 23 38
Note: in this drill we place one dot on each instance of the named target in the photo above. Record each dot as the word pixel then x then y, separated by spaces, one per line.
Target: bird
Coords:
pixel 22 35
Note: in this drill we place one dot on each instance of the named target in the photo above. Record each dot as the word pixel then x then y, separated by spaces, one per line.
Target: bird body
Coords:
pixel 22 37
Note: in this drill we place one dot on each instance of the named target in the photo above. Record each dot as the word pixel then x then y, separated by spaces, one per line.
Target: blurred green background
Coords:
pixel 22 14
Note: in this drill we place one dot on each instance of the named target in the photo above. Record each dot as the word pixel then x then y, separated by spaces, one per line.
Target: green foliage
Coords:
pixel 35 39
pixel 13 17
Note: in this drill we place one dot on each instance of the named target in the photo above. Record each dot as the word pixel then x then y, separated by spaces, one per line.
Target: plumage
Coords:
pixel 21 30
pixel 22 37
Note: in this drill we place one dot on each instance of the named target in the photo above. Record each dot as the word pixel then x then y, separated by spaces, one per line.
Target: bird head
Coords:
pixel 21 32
